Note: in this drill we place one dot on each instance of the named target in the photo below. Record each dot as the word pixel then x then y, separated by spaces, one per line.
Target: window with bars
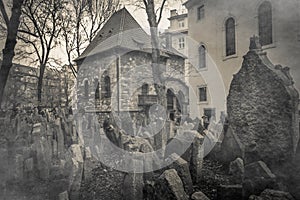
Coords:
pixel 181 24
pixel 107 91
pixel 86 88
pixel 181 43
pixel 203 94
pixel 265 25
pixel 200 12
pixel 145 89
pixel 230 36
pixel 97 89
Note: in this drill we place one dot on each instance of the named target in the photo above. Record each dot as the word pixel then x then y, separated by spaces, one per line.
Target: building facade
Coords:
pixel 220 33
pixel 21 87
pixel 115 74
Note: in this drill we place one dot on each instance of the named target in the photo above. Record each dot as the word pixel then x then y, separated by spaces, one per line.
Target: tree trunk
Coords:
pixel 9 50
pixel 40 83
pixel 158 77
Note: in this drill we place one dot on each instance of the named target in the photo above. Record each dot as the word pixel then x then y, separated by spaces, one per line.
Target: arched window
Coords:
pixel 265 29
pixel 202 56
pixel 97 89
pixel 107 92
pixel 230 36
pixel 170 99
pixel 86 88
pixel 145 89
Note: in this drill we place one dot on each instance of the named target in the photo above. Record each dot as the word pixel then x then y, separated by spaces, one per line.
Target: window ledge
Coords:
pixel 230 57
pixel 203 103
pixel 202 69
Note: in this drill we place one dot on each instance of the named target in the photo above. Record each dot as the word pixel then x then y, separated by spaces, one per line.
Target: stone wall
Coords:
pixel 134 70
pixel 263 107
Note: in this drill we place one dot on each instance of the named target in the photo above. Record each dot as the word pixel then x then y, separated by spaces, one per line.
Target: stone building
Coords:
pixel 177 31
pixel 220 31
pixel 115 73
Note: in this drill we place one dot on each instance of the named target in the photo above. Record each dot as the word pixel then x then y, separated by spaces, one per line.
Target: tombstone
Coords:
pixel 60 138
pixel 76 171
pixel 182 168
pixel 199 196
pixel 169 187
pixel 29 168
pixel 36 130
pixel 231 147
pixel 181 145
pixel 4 167
pixel 197 158
pixel 133 187
pixel 272 194
pixel 134 182
pixel 54 148
pixel 19 167
pixel 257 177
pixel 43 157
pixel 63 196
pixel 236 169
pixel 262 106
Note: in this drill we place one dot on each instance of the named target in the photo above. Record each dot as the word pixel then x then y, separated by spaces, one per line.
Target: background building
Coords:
pixel 21 88
pixel 221 31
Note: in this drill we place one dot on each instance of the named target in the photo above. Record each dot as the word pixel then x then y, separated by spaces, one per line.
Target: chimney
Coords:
pixel 173 12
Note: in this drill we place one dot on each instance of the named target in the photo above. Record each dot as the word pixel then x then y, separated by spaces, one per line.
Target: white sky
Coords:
pixel 141 17
pixel 138 13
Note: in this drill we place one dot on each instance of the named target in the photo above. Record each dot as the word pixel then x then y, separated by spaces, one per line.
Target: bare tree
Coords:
pixel 12 26
pixel 41 26
pixel 82 22
pixel 153 20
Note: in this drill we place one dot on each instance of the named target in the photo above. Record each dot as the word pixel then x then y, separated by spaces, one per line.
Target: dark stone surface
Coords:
pixel 272 195
pixel 236 169
pixel 257 177
pixel 230 192
pixel 231 147
pixel 263 108
pixel 169 187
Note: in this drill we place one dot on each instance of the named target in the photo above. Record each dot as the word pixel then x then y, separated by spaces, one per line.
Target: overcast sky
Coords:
pixel 138 13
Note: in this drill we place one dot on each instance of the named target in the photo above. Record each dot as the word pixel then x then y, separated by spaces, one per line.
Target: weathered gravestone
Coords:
pixel 199 196
pixel 182 168
pixel 263 107
pixel 272 194
pixel 257 177
pixel 169 187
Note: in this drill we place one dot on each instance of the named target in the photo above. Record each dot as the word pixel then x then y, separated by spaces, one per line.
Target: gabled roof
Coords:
pixel 120 31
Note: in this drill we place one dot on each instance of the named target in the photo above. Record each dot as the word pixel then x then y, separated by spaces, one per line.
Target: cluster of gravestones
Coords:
pixel 40 146
pixel 169 177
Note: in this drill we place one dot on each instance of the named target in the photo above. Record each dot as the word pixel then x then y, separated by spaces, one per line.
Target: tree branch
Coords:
pixel 4 13
pixel 161 11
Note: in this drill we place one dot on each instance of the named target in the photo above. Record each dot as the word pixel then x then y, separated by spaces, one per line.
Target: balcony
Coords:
pixel 147 100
